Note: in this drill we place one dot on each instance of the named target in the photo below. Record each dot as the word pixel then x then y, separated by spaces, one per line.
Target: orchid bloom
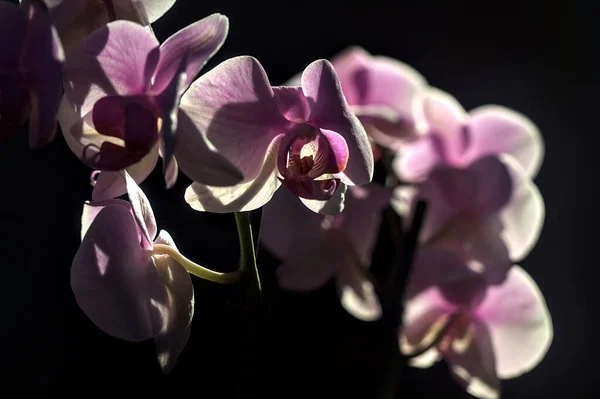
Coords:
pixel 316 248
pixel 381 91
pixel 123 284
pixel 490 213
pixel 303 137
pixel 448 135
pixel 30 71
pixel 484 332
pixel 121 103
pixel 76 19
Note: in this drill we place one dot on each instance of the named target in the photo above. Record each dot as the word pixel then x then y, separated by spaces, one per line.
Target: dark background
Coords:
pixel 532 56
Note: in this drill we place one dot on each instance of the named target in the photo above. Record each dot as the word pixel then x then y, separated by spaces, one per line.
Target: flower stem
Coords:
pixel 248 270
pixel 110 9
pixel 194 268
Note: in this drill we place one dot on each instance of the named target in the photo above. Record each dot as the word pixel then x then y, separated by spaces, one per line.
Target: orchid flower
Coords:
pixel 490 212
pixel 121 104
pixel 130 282
pixel 30 71
pixel 451 136
pixel 77 19
pixel 484 332
pixel 316 248
pixel 303 137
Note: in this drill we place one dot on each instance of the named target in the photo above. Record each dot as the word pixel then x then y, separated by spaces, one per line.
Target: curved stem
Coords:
pixel 194 268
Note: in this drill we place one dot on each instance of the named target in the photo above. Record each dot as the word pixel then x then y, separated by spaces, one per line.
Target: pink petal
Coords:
pixel 154 9
pixel 281 212
pixel 519 323
pixel 523 217
pixel 415 160
pixel 199 160
pixel 112 276
pixel 330 111
pixel 118 59
pixel 495 129
pixel 357 293
pixel 347 64
pixel 91 210
pixel 438 113
pixel 176 309
pixel 198 41
pixel 472 360
pixel 292 103
pixel 331 206
pixel 42 59
pixel 142 210
pixel 241 197
pixel 232 105
pixel 362 216
pixel 111 184
pixel 425 315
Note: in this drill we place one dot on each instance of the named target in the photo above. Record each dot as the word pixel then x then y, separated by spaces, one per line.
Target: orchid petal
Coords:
pixel 424 318
pixel 415 160
pixel 154 9
pixel 472 361
pixel 332 206
pixel 523 217
pixel 112 277
pixel 91 210
pixel 176 313
pixel 519 323
pixel 198 41
pixel 357 293
pixel 241 197
pixel 232 105
pixel 118 59
pixel 495 129
pixel 292 103
pixel 330 111
pixel 281 212
pixel 438 113
pixel 198 158
pixel 42 58
pixel 142 210
pixel 347 65
pixel 111 184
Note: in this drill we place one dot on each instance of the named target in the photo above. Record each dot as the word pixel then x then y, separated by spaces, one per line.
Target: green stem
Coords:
pixel 194 268
pixel 248 269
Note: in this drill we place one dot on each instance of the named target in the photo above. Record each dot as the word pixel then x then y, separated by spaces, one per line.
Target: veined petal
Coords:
pixel 519 323
pixel 198 41
pixel 42 59
pixel 523 217
pixel 176 309
pixel 329 110
pixel 495 129
pixel 471 358
pixel 241 197
pixel 112 276
pixel 232 105
pixel 118 59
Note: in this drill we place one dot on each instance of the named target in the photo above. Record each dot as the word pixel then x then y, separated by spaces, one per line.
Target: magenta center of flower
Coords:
pixel 308 160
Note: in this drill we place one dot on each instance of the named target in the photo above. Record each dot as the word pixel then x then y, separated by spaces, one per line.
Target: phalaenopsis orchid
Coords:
pixel 302 154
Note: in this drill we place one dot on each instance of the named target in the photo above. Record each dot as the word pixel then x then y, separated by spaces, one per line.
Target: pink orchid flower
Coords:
pixel 490 212
pixel 448 135
pixel 303 137
pixel 316 248
pixel 484 332
pixel 30 71
pixel 121 103
pixel 125 289
pixel 380 91
pixel 77 19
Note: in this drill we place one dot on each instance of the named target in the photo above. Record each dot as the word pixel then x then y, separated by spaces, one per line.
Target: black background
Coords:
pixel 532 56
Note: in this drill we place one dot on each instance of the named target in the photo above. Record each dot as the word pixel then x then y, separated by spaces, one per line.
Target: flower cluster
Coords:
pixel 304 152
